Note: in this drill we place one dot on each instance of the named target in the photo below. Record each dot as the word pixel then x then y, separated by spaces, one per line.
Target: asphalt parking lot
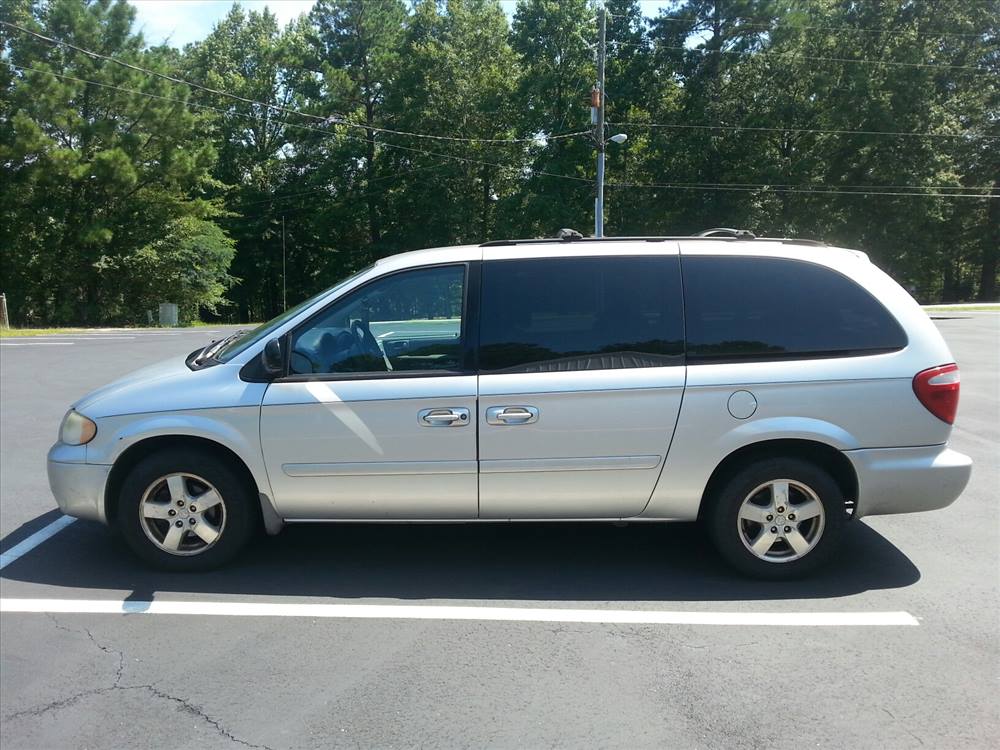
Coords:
pixel 897 646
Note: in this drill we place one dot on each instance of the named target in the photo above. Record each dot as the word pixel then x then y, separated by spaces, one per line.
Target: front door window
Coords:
pixel 407 322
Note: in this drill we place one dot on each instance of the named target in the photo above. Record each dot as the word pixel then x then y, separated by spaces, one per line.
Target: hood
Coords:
pixel 168 370
pixel 172 386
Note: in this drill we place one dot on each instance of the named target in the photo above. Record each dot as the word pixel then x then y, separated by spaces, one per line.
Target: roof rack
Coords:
pixel 716 234
pixel 549 240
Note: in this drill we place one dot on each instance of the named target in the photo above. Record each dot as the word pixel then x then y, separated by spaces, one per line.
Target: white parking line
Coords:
pixel 434 612
pixel 34 540
pixel 68 338
pixel 38 343
pixel 113 335
pixel 101 336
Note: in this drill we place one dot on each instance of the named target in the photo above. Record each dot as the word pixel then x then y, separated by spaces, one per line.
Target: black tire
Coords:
pixel 240 508
pixel 727 531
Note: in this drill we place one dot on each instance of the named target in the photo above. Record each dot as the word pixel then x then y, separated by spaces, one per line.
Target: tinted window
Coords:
pixel 768 308
pixel 410 321
pixel 552 314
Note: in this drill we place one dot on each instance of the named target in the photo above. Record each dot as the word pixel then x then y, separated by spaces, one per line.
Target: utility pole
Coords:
pixel 284 286
pixel 597 118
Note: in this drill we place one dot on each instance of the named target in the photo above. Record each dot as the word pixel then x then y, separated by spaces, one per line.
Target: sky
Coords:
pixel 179 22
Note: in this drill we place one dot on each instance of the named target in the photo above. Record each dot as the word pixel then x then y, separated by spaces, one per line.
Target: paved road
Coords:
pixel 187 681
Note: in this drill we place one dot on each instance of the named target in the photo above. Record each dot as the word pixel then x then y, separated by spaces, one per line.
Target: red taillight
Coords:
pixel 937 389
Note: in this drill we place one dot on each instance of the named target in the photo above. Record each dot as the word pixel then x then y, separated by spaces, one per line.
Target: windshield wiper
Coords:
pixel 215 346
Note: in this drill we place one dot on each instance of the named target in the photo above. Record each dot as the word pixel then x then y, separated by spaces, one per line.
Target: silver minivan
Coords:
pixel 773 389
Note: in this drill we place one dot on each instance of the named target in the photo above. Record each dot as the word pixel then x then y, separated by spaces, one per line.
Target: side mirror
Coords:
pixel 273 358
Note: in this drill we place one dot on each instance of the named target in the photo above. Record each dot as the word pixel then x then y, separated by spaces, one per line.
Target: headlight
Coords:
pixel 76 429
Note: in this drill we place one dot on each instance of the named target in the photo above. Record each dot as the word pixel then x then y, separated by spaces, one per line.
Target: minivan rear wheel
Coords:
pixel 183 511
pixel 778 518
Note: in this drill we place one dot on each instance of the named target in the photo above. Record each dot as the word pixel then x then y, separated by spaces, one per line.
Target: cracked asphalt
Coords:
pixel 166 681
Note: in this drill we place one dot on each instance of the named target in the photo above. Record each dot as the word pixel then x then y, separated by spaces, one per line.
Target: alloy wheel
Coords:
pixel 781 520
pixel 182 514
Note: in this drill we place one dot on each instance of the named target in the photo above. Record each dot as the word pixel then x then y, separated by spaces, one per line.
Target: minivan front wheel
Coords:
pixel 182 511
pixel 182 514
pixel 778 518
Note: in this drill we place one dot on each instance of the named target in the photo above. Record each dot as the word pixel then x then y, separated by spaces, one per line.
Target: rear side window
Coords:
pixel 598 313
pixel 770 308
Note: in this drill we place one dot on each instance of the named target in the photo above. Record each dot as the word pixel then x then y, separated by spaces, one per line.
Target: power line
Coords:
pixel 650 125
pixel 158 74
pixel 977 70
pixel 532 139
pixel 742 187
pixel 328 120
pixel 298 126
pixel 321 188
pixel 819 190
pixel 898 133
pixel 340 201
pixel 746 187
pixel 838 186
pixel 868 30
pixel 144 93
pixel 467 160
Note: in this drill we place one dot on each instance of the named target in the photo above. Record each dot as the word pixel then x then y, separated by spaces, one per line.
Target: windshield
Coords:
pixel 262 331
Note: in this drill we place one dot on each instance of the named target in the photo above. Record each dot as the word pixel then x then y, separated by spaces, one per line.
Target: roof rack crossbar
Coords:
pixel 678 238
pixel 740 234
pixel 549 240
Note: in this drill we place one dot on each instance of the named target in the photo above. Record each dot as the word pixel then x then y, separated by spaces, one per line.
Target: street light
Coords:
pixel 599 203
pixel 597 120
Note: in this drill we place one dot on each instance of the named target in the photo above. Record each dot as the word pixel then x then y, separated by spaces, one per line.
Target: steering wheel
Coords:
pixel 367 340
pixel 311 364
pixel 315 355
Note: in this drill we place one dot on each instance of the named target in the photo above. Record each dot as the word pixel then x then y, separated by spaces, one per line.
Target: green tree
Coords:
pixel 798 117
pixel 355 46
pixel 94 166
pixel 249 58
pixel 554 39
pixel 633 92
pixel 458 75
pixel 187 265
pixel 815 97
pixel 698 44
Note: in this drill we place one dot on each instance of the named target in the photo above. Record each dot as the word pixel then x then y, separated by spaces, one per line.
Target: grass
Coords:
pixel 962 308
pixel 22 332
pixel 17 332
pixel 249 326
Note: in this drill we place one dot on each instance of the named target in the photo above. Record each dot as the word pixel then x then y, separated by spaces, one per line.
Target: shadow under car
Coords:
pixel 571 562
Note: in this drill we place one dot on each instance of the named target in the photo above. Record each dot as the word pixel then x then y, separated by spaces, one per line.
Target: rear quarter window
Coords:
pixel 746 308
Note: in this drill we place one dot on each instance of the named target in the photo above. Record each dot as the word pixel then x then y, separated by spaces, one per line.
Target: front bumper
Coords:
pixel 907 480
pixel 77 486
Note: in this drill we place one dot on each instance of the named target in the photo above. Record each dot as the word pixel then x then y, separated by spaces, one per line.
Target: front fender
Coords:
pixel 235 428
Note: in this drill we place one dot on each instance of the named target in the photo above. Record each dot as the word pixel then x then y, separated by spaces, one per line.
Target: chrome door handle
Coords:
pixel 511 415
pixel 456 417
